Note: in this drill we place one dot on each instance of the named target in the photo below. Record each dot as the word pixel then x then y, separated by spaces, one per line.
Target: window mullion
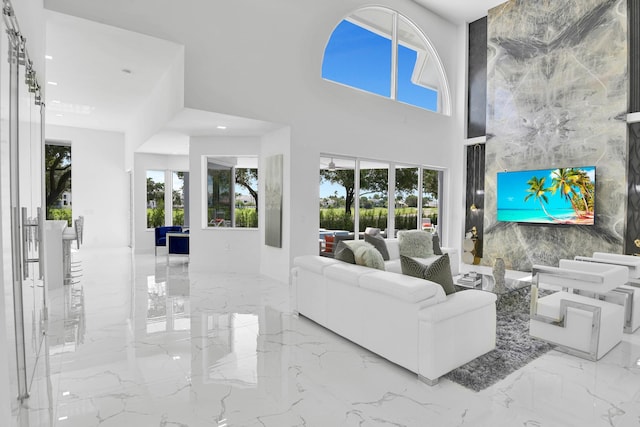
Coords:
pixel 394 57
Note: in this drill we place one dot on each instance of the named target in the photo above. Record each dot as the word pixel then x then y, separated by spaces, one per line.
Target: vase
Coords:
pixel 498 274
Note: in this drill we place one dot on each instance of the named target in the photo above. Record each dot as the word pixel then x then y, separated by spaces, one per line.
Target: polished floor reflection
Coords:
pixel 137 342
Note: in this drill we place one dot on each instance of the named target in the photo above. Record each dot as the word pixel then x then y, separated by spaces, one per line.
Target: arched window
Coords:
pixel 380 51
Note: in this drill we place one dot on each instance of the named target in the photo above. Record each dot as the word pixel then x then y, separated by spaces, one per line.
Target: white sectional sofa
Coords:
pixel 407 320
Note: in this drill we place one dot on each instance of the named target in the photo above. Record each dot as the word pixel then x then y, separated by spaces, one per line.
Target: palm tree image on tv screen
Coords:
pixel 547 196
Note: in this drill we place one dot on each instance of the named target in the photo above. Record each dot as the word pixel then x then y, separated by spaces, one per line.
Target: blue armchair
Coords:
pixel 161 235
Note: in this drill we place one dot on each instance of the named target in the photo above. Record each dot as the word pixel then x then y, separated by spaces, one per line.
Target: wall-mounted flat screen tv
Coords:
pixel 547 196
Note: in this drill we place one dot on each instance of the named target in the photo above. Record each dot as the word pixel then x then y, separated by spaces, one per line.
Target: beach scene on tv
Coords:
pixel 553 196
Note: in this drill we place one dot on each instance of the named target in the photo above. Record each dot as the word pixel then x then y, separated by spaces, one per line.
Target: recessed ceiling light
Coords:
pixel 48 57
pixel 66 393
pixel 221 127
pixel 55 101
pixel 52 83
pixel 59 115
pixel 63 418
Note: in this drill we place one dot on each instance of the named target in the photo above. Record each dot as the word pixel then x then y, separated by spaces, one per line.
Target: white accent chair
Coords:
pixel 578 325
pixel 629 294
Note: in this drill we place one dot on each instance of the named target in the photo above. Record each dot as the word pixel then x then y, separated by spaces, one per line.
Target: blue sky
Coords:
pixel 360 58
pixel 512 189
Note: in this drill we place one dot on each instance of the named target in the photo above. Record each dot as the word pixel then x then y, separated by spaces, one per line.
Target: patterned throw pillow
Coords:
pixel 379 243
pixel 439 271
pixel 368 256
pixel 415 243
pixel 411 267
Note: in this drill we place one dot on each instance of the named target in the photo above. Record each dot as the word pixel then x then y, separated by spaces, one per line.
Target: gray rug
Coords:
pixel 514 347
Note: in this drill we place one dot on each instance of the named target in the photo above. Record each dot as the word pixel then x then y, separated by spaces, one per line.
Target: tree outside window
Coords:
pixel 58 182
pixel 155 198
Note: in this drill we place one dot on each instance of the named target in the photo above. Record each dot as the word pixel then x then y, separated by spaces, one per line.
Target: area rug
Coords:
pixel 514 347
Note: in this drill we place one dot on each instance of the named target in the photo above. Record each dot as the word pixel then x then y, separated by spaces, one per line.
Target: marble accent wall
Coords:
pixel 557 95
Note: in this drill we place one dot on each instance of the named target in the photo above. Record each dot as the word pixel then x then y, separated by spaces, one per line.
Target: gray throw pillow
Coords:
pixel 415 243
pixel 378 242
pixel 343 253
pixel 436 244
pixel 411 267
pixel 439 271
pixel 345 250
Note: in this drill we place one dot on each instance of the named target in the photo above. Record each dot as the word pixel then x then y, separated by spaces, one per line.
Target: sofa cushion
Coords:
pixel 346 273
pixel 345 250
pixel 405 288
pixel 439 271
pixel 368 256
pixel 415 243
pixel 379 243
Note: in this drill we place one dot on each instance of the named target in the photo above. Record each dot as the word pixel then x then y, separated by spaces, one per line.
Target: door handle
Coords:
pixel 31 239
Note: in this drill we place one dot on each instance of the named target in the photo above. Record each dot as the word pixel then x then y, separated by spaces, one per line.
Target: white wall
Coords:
pixel 99 184
pixel 272 73
pixel 144 238
pixel 220 249
pixel 165 101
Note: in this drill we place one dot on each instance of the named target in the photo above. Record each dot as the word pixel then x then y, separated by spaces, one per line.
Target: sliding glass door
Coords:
pixel 21 196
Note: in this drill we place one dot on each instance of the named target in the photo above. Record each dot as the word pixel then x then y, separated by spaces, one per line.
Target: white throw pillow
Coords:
pixel 415 243
pixel 368 256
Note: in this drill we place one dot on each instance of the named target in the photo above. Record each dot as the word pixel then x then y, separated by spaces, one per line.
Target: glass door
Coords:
pixel 21 197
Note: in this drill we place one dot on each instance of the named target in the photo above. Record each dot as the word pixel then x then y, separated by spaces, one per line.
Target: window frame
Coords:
pixel 391 191
pixel 443 91
pixel 205 158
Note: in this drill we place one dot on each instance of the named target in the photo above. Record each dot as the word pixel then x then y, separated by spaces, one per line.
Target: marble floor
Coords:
pixel 137 342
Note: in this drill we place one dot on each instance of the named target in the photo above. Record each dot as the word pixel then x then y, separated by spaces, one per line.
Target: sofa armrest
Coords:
pixel 456 305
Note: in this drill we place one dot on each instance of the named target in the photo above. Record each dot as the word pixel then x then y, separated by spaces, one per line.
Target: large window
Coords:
pixel 232 192
pixel 167 198
pixel 178 197
pixel 58 181
pixel 380 51
pixel 373 195
pixel 155 198
pixel 389 196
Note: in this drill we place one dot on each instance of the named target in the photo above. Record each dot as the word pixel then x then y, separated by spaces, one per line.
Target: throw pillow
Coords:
pixel 368 256
pixel 378 242
pixel 436 244
pixel 415 243
pixel 411 267
pixel 372 230
pixel 344 250
pixel 439 271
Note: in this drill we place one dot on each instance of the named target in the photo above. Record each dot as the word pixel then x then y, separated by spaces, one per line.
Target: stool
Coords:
pixel 578 325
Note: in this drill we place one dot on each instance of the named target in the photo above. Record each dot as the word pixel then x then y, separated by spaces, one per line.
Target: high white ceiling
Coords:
pixel 460 11
pixel 100 75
